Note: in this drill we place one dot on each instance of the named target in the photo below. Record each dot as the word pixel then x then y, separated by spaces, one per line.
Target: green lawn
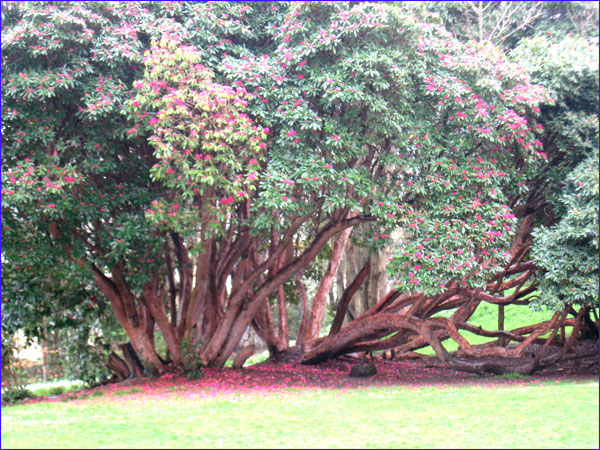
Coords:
pixel 547 414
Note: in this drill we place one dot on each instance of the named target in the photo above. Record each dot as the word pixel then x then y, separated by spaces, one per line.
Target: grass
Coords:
pixel 128 391
pixel 548 414
pixel 54 387
pixel 47 389
pixel 513 376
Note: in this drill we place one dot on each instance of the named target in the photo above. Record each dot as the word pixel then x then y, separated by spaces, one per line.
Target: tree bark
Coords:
pixel 346 298
pixel 320 299
pixel 283 329
pixel 305 307
pixel 136 369
pixel 237 319
pixel 136 333
pixel 118 367
pixel 242 356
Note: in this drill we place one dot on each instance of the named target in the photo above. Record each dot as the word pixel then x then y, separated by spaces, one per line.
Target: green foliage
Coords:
pixel 67 160
pixel 568 68
pixel 11 371
pixel 464 240
pixel 513 376
pixel 15 395
pixel 207 146
pixel 85 351
pixel 56 303
pixel 407 99
pixel 73 189
pixel 55 387
pixel 56 390
pixel 568 250
pixel 192 364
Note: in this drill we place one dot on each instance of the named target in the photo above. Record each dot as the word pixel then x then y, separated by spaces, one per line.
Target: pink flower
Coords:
pixel 51 205
pixel 328 166
pixel 153 121
pixel 136 103
pixel 284 198
pixel 292 133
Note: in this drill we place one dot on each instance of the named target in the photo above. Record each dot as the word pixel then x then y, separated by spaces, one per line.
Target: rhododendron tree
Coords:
pixel 75 182
pixel 201 156
pixel 569 133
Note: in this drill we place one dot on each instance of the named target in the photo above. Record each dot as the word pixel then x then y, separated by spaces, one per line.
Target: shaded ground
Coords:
pixel 275 376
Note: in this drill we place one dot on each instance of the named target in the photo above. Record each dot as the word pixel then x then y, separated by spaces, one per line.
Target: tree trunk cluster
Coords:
pixel 400 323
pixel 205 304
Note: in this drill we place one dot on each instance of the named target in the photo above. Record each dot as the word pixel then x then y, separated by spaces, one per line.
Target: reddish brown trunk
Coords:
pixel 156 308
pixel 355 331
pixel 320 300
pixel 137 335
pixel 144 349
pixel 305 308
pixel 242 356
pixel 347 297
pixel 117 367
pixel 185 282
pixel 266 328
pixel 235 320
pixel 134 365
pixel 283 335
pixel 149 323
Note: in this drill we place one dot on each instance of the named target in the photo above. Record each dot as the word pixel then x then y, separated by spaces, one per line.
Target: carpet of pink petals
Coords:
pixel 283 378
